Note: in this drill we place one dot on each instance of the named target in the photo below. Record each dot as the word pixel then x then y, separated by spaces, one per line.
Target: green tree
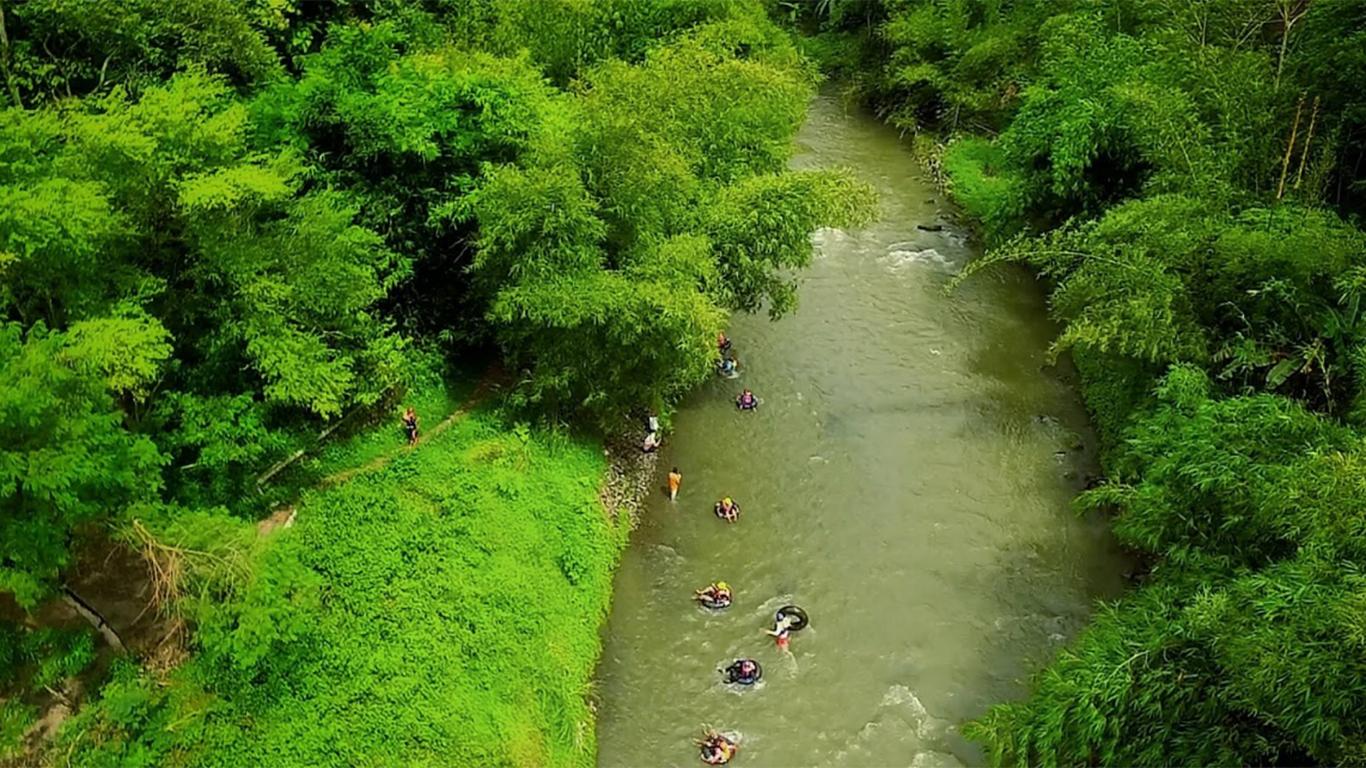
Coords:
pixel 236 259
pixel 761 230
pixel 67 466
pixel 403 130
pixel 61 48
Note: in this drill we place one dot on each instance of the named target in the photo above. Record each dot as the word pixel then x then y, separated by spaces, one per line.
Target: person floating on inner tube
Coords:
pixel 746 401
pixel 726 366
pixel 727 510
pixel 722 343
pixel 744 672
pixel 716 595
pixel 716 749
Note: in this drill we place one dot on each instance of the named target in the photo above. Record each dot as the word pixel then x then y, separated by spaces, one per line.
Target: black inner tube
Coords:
pixel 713 748
pixel 797 616
pixel 733 673
pixel 713 603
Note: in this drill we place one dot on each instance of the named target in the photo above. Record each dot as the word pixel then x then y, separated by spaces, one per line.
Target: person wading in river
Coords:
pixel 675 480
pixel 781 632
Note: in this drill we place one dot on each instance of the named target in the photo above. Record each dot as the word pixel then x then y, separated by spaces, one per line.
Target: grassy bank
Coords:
pixel 441 609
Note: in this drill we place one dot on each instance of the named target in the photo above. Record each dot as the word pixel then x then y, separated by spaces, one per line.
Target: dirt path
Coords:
pixel 486 385
pixel 284 516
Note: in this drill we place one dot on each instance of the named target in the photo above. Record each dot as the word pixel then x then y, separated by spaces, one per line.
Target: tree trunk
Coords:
pixel 96 620
pixel 1289 149
pixel 5 61
pixel 1287 10
pixel 264 477
pixel 1308 140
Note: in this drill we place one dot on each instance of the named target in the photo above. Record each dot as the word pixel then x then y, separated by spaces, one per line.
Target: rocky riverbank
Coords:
pixel 629 477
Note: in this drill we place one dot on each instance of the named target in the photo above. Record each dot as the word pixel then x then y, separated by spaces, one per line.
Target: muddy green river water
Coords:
pixel 906 480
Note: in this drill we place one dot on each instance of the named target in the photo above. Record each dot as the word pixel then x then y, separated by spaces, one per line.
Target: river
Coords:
pixel 906 479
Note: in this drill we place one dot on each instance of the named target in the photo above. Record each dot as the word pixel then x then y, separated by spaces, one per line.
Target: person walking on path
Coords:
pixel 410 424
pixel 675 480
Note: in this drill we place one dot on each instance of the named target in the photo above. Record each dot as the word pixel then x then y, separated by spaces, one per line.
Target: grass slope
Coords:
pixel 463 588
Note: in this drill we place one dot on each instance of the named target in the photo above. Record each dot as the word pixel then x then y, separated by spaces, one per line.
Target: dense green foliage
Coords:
pixel 66 458
pixel 1187 177
pixel 30 662
pixel 230 228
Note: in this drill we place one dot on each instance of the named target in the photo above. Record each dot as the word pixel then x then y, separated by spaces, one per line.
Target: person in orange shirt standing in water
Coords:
pixel 675 480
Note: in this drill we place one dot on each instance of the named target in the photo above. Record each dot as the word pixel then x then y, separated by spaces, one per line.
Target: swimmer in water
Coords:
pixel 746 401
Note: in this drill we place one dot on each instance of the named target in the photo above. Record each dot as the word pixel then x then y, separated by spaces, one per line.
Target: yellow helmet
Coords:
pixel 723 585
pixel 727 501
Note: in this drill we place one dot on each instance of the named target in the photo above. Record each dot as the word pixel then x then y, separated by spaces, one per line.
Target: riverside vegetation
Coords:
pixel 1187 179
pixel 235 236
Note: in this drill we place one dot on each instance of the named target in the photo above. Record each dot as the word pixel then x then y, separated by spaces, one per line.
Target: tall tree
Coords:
pixel 67 465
